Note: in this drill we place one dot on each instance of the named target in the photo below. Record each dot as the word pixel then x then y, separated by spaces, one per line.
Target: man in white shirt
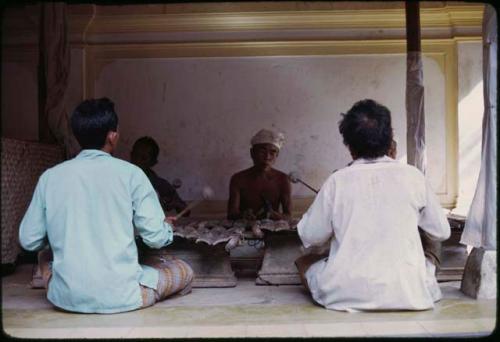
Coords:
pixel 370 212
pixel 86 210
pixel 432 248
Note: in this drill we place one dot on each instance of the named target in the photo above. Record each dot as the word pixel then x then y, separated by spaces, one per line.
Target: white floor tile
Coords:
pixel 396 328
pixel 276 330
pixel 335 330
pixel 157 332
pixel 216 331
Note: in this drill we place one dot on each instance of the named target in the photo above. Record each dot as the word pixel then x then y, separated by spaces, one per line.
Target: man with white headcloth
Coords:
pixel 259 191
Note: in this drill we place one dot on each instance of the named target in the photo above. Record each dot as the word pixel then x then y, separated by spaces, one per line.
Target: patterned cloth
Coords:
pixel 175 277
pixel 22 164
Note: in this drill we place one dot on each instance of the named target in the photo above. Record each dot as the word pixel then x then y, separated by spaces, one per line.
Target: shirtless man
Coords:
pixel 258 192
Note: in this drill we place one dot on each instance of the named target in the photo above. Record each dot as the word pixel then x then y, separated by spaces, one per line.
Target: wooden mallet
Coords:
pixel 294 178
pixel 207 193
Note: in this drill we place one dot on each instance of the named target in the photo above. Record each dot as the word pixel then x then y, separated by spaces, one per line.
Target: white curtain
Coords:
pixel 481 222
pixel 415 134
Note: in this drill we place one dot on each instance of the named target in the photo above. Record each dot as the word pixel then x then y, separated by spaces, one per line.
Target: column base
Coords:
pixel 480 274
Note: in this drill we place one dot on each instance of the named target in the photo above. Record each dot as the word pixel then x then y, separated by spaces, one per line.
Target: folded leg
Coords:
pixel 175 277
pixel 304 262
pixel 42 272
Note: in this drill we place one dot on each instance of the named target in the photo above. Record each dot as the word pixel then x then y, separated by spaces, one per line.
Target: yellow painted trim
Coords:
pixel 91 24
pixel 441 50
pixel 266 48
pixel 447 16
pixel 468 39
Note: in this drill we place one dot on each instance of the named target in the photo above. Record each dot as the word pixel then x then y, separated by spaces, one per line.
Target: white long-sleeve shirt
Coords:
pixel 371 211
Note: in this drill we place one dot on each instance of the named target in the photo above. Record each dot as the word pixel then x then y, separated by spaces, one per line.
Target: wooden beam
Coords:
pixel 412 25
pixel 44 134
pixel 415 115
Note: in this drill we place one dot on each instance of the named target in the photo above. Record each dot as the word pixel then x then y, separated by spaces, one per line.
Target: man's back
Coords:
pixel 88 206
pixel 376 261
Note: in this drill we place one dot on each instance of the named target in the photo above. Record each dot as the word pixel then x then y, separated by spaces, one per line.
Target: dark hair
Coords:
pixel 366 129
pixel 92 120
pixel 150 145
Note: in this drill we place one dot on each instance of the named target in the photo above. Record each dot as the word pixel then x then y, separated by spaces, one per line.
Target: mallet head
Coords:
pixel 207 192
pixel 294 177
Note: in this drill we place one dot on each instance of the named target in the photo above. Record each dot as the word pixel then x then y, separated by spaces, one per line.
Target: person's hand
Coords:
pixel 274 215
pixel 249 215
pixel 170 220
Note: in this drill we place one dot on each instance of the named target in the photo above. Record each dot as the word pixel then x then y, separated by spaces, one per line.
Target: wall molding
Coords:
pixel 91 23
pixel 447 16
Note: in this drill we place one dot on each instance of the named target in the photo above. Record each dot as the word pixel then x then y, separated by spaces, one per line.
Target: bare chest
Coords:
pixel 256 190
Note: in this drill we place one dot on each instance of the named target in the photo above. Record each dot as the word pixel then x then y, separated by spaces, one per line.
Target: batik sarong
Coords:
pixel 174 277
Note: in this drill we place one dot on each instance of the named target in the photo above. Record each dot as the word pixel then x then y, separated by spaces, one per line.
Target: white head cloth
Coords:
pixel 265 136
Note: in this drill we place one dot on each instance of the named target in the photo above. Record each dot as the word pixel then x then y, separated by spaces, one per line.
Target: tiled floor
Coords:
pixel 246 310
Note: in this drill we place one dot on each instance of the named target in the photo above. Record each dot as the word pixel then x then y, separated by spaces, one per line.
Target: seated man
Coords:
pixel 85 209
pixel 371 211
pixel 432 248
pixel 258 192
pixel 145 155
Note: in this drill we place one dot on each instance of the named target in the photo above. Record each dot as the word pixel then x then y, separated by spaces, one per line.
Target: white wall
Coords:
pixel 470 117
pixel 203 111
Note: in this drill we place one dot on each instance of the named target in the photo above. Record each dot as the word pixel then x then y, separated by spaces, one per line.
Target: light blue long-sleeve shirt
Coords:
pixel 87 207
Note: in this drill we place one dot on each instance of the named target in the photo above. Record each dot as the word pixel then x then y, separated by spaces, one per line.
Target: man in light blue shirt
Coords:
pixel 86 209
